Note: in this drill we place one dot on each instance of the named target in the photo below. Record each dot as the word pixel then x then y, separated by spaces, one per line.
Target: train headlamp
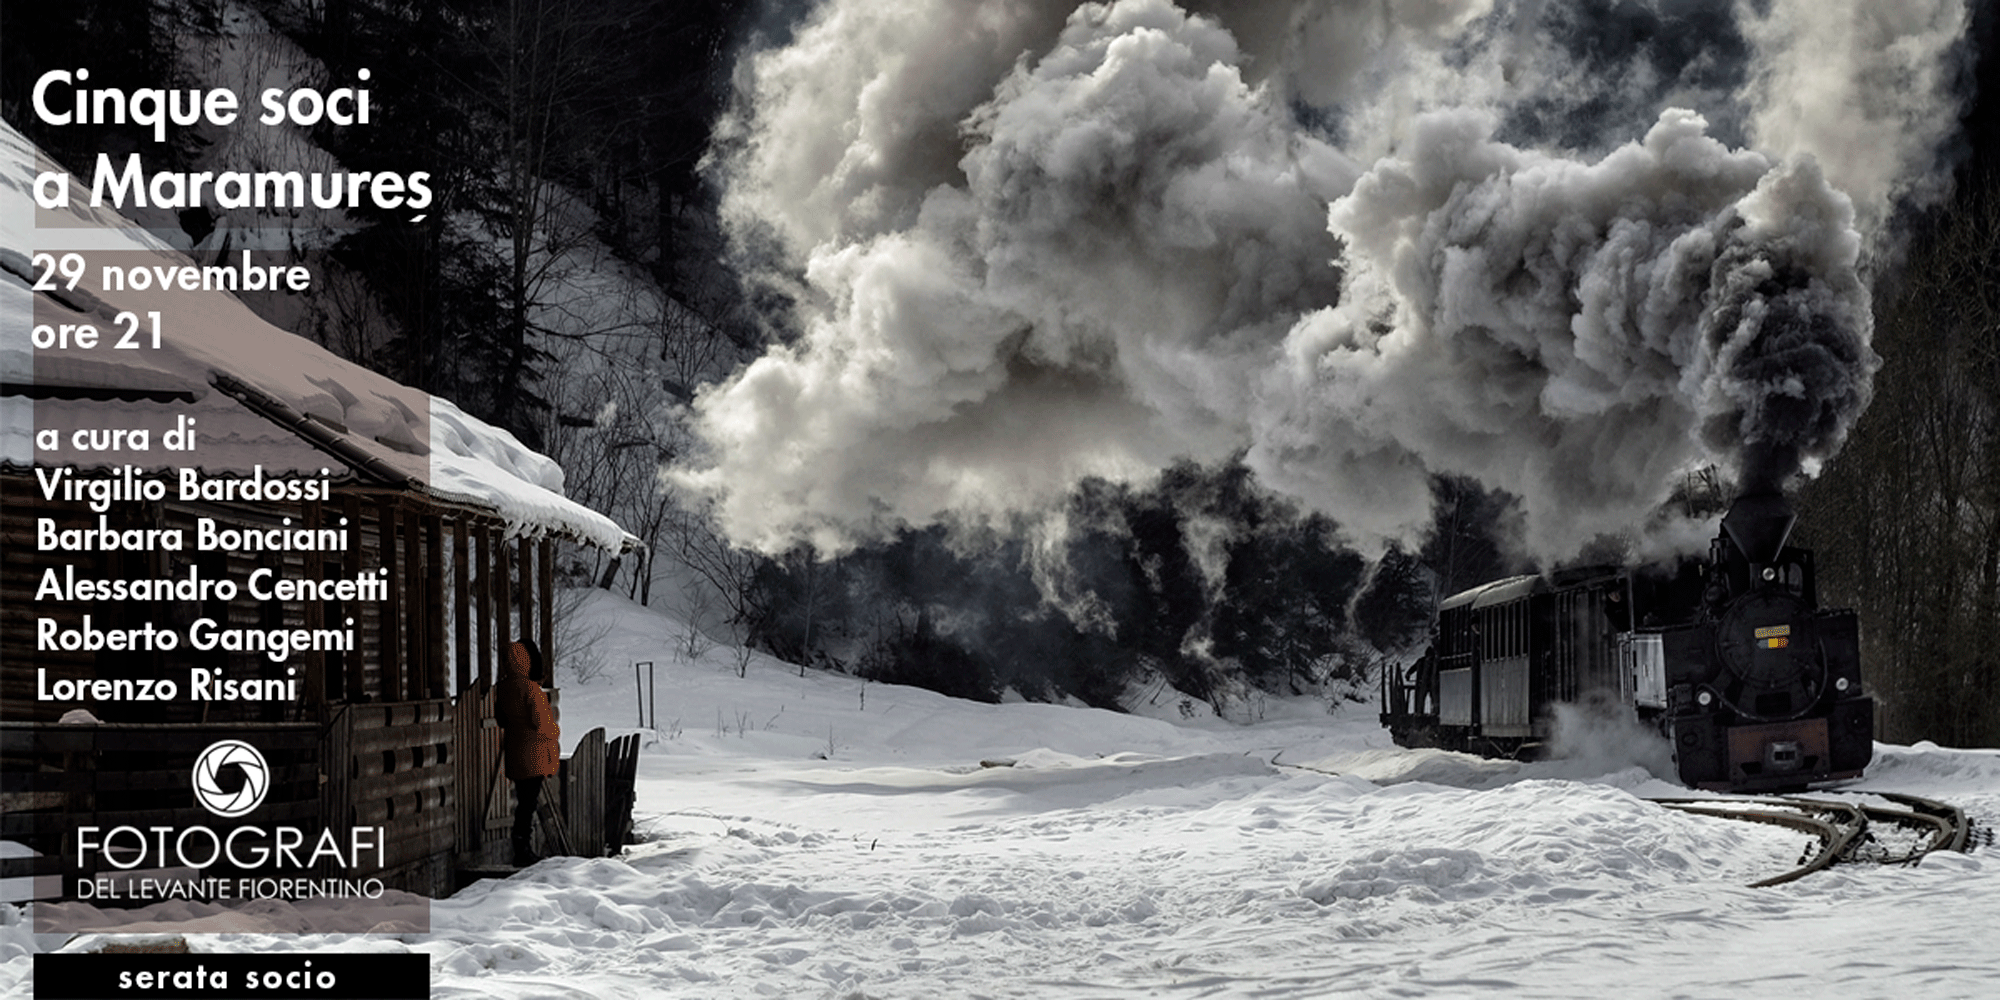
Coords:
pixel 1840 684
pixel 1770 573
pixel 1705 698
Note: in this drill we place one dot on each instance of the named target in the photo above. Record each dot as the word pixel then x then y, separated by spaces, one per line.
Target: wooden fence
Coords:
pixel 621 772
pixel 582 793
pixel 390 765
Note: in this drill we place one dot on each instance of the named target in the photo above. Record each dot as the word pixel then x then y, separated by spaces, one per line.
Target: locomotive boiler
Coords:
pixel 1731 657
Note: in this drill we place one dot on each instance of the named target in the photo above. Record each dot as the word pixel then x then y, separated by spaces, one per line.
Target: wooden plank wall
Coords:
pixel 21 568
pixel 336 793
pixel 23 564
pixel 59 778
pixel 401 776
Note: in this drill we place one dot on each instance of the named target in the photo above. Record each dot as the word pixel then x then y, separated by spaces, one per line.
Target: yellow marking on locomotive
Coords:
pixel 1776 642
pixel 1773 631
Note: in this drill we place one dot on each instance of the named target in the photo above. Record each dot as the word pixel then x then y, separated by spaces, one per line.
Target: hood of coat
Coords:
pixel 515 663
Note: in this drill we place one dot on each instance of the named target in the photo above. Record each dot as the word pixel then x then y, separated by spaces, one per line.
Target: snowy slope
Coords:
pixel 1121 856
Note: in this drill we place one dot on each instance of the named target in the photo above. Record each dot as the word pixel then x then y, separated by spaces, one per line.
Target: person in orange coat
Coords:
pixel 528 738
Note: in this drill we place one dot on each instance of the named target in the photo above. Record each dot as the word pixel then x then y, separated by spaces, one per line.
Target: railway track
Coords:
pixel 1897 829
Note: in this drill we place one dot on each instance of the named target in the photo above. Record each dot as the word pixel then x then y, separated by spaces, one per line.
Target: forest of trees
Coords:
pixel 1907 520
pixel 1906 523
pixel 542 125
pixel 565 143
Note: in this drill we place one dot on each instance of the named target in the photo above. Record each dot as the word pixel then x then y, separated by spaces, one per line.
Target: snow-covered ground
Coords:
pixel 818 837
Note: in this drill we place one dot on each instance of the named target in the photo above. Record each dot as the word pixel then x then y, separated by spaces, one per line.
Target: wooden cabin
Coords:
pixel 404 544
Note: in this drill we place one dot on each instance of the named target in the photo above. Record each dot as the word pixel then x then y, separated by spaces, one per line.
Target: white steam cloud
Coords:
pixel 1860 85
pixel 1597 735
pixel 1362 242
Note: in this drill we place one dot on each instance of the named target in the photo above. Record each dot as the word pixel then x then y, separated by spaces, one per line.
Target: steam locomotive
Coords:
pixel 1732 658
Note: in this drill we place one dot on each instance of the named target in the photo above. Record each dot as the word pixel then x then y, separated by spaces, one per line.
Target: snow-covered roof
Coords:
pixel 254 391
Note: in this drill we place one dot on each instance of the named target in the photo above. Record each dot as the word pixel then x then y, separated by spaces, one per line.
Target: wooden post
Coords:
pixel 391 625
pixel 434 598
pixel 336 795
pixel 526 599
pixel 415 671
pixel 357 667
pixel 461 618
pixel 315 618
pixel 547 565
pixel 482 596
pixel 503 595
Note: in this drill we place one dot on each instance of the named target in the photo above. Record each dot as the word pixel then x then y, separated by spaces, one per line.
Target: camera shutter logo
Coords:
pixel 230 778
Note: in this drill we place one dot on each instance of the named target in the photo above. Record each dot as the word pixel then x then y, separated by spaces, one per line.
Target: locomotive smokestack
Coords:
pixel 1758 524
